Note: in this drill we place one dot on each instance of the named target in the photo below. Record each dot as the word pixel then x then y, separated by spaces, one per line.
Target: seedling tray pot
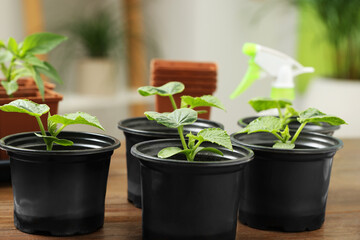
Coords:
pixel 59 192
pixel 323 128
pixel 141 129
pixel 286 190
pixel 190 200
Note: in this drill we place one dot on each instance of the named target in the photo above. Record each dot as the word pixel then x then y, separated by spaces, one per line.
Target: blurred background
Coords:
pixel 111 44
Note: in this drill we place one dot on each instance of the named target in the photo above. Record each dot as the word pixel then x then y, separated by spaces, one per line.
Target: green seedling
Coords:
pixel 275 126
pixel 18 60
pixel 261 104
pixel 186 115
pixel 171 88
pixel 37 110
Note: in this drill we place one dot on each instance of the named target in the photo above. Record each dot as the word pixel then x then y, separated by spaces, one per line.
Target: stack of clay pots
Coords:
pixel 199 79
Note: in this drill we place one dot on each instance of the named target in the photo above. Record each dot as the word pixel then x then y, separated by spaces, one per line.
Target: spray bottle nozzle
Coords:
pixel 250 49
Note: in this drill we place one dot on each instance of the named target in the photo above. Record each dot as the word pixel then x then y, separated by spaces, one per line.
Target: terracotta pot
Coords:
pixel 183 68
pixel 163 104
pixel 192 81
pixel 199 79
pixel 27 88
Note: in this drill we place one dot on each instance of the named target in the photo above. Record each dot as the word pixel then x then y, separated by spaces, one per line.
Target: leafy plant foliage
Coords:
pixel 278 126
pixel 19 60
pixel 55 123
pixel 184 116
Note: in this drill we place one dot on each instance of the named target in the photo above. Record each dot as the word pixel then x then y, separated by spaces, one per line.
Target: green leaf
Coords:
pixel 290 111
pixel 31 59
pixel 171 151
pixel 25 106
pixel 2 44
pixel 261 104
pixel 284 145
pixel 64 142
pixel 177 118
pixel 286 134
pixel 208 149
pixel 191 141
pixel 5 56
pixel 40 43
pixel 203 101
pixel 167 89
pixel 76 118
pixel 12 46
pixel 51 72
pixel 263 124
pixel 4 70
pixel 20 72
pixel 10 87
pixel 38 80
pixel 313 115
pixel 52 126
pixel 52 139
pixel 216 135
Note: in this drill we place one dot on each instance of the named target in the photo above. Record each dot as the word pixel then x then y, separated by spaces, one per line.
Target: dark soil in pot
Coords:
pixel 286 189
pixel 190 200
pixel 141 129
pixel 324 128
pixel 59 192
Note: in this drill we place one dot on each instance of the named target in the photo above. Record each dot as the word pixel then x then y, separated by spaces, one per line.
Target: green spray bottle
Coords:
pixel 279 66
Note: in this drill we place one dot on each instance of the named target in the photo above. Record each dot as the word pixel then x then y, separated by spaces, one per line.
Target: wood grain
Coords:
pixel 123 221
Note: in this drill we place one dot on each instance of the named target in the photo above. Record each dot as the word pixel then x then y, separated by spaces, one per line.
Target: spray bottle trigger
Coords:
pixel 251 75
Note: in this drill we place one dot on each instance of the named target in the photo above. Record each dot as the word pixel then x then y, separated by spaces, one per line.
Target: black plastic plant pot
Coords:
pixel 286 190
pixel 190 200
pixel 141 129
pixel 323 128
pixel 59 192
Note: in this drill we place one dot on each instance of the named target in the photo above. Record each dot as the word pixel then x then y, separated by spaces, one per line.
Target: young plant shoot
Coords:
pixel 276 126
pixel 18 60
pixel 262 104
pixel 186 115
pixel 171 88
pixel 37 110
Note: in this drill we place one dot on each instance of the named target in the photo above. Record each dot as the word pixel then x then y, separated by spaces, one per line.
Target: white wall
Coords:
pixel 215 30
pixel 11 21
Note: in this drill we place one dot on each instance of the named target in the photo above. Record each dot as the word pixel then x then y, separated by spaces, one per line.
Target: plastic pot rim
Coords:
pixel 112 142
pixel 323 138
pixel 155 133
pixel 248 156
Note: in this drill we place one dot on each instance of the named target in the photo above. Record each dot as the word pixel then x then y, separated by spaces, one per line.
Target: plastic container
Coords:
pixel 141 129
pixel 286 189
pixel 323 128
pixel 59 192
pixel 190 200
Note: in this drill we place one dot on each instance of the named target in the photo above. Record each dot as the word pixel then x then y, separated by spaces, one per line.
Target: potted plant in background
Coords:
pixel 287 115
pixel 329 40
pixel 286 185
pixel 190 189
pixel 18 61
pixel 101 40
pixel 59 178
pixel 140 129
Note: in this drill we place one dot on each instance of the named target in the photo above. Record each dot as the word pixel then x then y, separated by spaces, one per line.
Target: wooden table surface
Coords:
pixel 123 221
